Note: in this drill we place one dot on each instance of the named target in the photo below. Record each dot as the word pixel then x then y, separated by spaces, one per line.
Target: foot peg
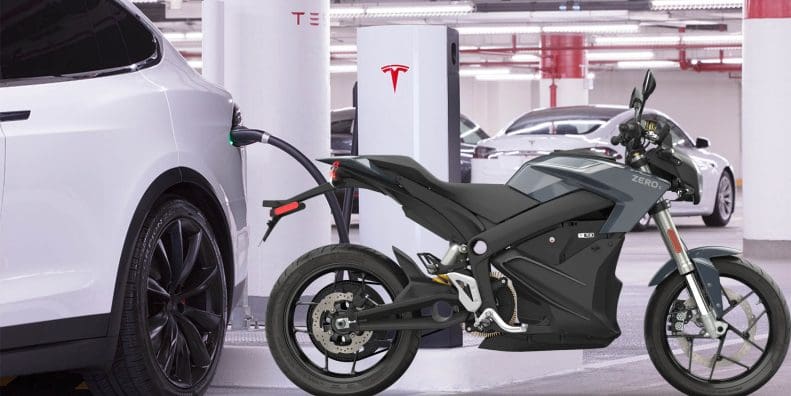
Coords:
pixel 490 314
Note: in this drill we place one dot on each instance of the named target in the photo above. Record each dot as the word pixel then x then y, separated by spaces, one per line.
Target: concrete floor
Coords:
pixel 624 368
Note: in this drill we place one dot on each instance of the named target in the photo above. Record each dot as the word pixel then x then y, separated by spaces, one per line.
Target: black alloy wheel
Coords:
pixel 175 308
pixel 185 297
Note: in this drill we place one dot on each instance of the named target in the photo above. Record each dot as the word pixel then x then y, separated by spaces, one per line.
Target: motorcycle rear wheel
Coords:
pixel 363 363
pixel 762 337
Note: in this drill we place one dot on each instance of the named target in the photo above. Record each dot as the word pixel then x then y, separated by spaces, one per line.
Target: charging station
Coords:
pixel 408 97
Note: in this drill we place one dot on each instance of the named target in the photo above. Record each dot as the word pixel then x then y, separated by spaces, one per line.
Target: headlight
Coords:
pixel 482 152
pixel 606 151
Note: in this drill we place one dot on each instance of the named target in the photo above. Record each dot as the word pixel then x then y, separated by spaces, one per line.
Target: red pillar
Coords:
pixel 563 65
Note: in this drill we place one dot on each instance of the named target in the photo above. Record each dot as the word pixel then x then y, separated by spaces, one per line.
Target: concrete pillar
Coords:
pixel 273 56
pixel 766 88
pixel 563 68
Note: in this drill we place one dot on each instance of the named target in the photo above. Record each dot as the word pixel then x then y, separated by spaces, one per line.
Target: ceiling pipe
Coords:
pixel 685 64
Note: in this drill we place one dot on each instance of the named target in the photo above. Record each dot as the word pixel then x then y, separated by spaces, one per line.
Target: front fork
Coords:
pixel 678 251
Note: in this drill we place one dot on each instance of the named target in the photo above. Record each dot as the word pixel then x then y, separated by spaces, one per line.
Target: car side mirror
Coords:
pixel 702 143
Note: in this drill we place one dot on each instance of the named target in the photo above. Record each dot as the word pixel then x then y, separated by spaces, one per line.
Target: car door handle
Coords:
pixel 20 115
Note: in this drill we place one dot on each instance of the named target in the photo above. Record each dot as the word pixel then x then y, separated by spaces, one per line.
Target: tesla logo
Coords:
pixel 313 19
pixel 394 70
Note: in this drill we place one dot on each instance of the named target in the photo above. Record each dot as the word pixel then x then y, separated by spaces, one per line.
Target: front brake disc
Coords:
pixel 685 345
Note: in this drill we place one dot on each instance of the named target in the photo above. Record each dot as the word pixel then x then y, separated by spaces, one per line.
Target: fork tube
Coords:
pixel 677 250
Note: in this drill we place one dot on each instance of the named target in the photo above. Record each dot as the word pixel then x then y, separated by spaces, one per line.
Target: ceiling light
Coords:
pixel 420 11
pixel 480 71
pixel 615 28
pixel 508 77
pixel 637 40
pixel 526 58
pixel 374 11
pixel 695 4
pixel 346 12
pixel 466 30
pixel 713 39
pixel 624 55
pixel 349 68
pixel 175 37
pixel 343 48
pixel 651 64
pixel 727 61
pixel 468 47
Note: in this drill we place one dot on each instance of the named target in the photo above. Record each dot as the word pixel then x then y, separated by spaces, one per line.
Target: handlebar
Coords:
pixel 633 136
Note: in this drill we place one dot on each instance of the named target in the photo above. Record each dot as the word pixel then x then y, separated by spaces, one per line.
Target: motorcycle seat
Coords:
pixel 494 202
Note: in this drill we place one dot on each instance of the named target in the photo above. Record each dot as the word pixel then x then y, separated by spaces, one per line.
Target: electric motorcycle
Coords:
pixel 531 266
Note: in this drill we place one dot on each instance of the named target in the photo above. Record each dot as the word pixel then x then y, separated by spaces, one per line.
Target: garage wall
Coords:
pixel 493 104
pixel 717 115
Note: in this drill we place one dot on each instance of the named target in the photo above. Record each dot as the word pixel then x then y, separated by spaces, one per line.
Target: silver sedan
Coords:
pixel 563 128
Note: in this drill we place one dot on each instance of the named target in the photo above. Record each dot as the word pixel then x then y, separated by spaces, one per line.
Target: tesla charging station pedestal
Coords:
pixel 408 96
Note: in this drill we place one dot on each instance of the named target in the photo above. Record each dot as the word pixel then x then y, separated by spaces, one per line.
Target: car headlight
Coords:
pixel 482 152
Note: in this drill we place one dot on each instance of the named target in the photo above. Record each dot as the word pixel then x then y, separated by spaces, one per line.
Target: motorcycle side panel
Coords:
pixel 548 177
pixel 568 297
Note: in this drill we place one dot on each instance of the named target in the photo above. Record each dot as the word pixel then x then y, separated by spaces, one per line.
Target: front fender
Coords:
pixel 707 273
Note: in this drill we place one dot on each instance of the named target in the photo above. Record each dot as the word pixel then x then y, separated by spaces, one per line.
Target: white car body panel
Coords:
pixel 500 169
pixel 76 170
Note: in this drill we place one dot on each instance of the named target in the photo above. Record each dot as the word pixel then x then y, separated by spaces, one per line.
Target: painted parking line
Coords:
pixel 640 358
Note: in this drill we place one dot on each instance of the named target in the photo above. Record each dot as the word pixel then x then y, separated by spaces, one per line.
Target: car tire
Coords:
pixel 172 330
pixel 724 203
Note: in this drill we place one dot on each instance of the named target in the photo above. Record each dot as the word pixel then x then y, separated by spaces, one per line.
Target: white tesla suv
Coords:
pixel 123 229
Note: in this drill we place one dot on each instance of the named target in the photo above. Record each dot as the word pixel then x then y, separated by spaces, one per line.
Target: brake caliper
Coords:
pixel 679 316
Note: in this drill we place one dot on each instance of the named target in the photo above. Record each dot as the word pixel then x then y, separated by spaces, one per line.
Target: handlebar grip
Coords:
pixel 615 140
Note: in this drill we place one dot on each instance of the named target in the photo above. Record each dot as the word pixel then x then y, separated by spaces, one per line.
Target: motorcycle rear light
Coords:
pixel 482 152
pixel 285 209
pixel 334 171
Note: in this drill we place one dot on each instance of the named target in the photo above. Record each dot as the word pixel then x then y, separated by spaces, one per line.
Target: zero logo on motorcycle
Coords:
pixel 394 70
pixel 645 181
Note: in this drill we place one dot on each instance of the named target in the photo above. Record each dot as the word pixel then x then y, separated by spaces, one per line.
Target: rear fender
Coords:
pixel 707 273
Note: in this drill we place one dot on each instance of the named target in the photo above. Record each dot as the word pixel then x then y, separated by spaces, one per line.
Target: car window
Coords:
pixel 555 127
pixel 341 127
pixel 678 136
pixel 45 38
pixel 471 133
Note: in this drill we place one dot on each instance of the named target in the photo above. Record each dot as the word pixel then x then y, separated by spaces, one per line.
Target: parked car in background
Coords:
pixel 123 230
pixel 564 128
pixel 342 124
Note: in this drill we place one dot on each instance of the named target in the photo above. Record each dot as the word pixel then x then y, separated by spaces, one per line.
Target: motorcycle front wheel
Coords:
pixel 303 310
pixel 738 362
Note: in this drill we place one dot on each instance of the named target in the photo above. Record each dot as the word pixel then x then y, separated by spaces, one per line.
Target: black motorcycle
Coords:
pixel 531 266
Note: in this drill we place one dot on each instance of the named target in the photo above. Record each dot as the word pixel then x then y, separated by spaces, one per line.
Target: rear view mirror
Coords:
pixel 649 84
pixel 636 99
pixel 702 143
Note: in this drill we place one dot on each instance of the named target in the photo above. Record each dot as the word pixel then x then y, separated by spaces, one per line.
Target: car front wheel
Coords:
pixel 174 318
pixel 723 204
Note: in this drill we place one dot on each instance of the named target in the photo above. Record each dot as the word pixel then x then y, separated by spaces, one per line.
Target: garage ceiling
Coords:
pixel 681 34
